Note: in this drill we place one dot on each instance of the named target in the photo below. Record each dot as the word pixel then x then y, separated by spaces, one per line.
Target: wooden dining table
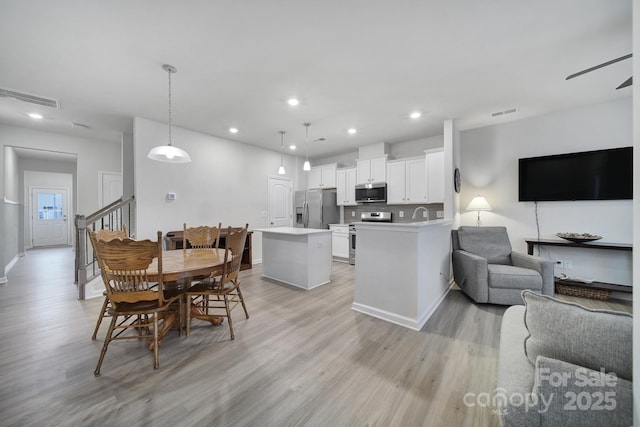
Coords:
pixel 179 267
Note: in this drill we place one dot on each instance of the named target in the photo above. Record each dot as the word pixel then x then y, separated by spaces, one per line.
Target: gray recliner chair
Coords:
pixel 486 269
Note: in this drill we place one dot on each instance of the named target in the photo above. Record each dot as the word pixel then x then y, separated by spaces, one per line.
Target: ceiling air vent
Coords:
pixel 25 97
pixel 505 112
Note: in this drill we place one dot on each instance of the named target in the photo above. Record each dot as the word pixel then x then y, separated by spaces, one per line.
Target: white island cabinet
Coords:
pixel 297 256
pixel 402 273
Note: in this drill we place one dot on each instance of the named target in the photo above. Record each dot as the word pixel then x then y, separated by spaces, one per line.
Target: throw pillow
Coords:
pixel 595 339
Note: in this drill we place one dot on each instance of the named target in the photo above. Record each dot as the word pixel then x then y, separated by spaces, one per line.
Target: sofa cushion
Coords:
pixel 596 339
pixel 491 243
pixel 510 277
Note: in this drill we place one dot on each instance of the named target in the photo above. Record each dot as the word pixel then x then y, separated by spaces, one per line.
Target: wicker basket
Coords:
pixel 581 291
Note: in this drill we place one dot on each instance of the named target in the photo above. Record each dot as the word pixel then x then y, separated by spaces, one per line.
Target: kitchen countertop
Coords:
pixel 293 230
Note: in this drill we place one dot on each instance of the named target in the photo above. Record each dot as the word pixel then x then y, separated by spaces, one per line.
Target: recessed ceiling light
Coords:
pixel 35 116
pixel 233 130
pixel 292 147
pixel 352 131
pixel 293 102
pixel 415 115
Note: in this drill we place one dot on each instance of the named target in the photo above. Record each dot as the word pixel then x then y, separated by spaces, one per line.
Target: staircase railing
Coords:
pixel 112 217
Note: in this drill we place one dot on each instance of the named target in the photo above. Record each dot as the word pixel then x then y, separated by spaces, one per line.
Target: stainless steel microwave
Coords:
pixel 373 192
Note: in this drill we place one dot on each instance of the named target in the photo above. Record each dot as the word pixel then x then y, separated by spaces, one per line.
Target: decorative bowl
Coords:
pixel 579 237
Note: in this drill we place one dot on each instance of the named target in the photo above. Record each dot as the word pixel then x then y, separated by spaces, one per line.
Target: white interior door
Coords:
pixel 49 224
pixel 111 188
pixel 280 202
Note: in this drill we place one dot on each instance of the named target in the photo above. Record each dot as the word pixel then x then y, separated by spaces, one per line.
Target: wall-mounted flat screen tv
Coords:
pixel 589 175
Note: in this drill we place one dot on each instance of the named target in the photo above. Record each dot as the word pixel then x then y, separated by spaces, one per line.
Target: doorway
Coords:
pixel 280 202
pixel 49 216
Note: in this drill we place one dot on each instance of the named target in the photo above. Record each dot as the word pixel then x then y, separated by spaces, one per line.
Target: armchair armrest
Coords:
pixel 541 265
pixel 471 273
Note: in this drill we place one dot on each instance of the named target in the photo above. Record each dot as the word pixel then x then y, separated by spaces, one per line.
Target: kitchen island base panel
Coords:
pixel 402 273
pixel 297 258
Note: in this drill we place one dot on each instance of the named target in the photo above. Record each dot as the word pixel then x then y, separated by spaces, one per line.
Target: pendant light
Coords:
pixel 168 153
pixel 307 165
pixel 281 170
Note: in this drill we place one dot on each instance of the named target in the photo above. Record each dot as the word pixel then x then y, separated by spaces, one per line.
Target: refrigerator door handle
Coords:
pixel 305 214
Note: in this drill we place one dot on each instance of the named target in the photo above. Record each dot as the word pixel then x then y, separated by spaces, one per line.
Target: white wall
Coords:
pixel 92 155
pixel 489 166
pixel 225 182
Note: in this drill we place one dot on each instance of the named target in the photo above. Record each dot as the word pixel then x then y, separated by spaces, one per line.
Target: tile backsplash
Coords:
pixel 352 213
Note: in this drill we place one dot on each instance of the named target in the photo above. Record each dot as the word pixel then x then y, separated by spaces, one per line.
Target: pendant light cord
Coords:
pixel 169 72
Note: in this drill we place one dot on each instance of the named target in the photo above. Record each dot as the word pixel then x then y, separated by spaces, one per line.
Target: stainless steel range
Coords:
pixel 364 217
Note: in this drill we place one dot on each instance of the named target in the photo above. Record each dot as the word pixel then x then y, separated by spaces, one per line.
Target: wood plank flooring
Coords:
pixel 304 358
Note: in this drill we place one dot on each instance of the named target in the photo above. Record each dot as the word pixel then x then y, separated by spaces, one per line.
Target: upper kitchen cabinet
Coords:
pixel 416 181
pixel 435 175
pixel 323 176
pixel 407 182
pixel 346 187
pixel 372 170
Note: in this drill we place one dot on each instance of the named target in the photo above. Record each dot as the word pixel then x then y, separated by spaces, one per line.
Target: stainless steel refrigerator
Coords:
pixel 316 208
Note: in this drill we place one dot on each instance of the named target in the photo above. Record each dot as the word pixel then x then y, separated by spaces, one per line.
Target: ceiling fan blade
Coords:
pixel 626 83
pixel 588 70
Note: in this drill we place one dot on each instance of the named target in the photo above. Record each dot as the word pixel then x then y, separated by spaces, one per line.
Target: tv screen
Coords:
pixel 589 175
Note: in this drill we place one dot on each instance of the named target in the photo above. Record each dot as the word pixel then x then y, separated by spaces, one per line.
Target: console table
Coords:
pixel 173 240
pixel 602 286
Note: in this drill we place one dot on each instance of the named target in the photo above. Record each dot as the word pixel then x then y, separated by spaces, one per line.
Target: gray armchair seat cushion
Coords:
pixel 510 277
pixel 488 271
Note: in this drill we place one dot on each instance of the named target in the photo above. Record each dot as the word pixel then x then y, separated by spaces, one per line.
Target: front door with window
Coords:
pixel 49 217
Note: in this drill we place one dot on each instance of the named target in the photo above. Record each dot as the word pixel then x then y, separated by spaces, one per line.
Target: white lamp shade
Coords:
pixel 306 166
pixel 479 203
pixel 169 154
pixel 281 170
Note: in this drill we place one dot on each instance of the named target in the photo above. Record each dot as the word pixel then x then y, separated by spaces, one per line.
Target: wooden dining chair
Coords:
pixel 104 235
pixel 202 237
pixel 142 306
pixel 217 298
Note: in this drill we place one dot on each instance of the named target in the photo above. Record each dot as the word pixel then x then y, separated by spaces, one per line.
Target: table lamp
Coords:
pixel 479 203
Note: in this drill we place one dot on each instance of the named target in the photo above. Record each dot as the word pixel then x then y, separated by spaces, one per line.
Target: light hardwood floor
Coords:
pixel 304 358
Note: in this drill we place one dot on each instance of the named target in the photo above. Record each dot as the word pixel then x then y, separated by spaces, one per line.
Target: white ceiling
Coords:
pixel 352 63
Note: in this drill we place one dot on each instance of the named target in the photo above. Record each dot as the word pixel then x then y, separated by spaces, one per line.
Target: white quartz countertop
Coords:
pixel 293 230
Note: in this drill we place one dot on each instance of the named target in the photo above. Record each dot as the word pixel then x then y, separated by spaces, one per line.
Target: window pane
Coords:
pixel 50 206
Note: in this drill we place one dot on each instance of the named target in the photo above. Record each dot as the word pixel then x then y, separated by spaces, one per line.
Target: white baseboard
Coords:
pixel 408 322
pixel 8 267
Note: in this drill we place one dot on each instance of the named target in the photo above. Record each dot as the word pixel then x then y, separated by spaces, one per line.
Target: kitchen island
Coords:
pixel 402 270
pixel 296 256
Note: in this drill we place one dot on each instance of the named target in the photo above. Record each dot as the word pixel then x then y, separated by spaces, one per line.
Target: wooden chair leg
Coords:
pixel 226 306
pixel 187 309
pixel 107 340
pixel 156 364
pixel 244 307
pixel 105 303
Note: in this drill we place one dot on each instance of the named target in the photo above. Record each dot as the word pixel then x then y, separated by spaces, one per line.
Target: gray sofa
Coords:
pixel 488 271
pixel 561 364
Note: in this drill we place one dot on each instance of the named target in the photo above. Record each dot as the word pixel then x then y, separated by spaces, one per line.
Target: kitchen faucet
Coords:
pixel 416 211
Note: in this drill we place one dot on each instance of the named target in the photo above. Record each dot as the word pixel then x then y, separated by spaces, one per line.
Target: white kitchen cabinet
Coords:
pixel 435 176
pixel 407 182
pixel 340 242
pixel 395 183
pixel 416 181
pixel 346 187
pixel 372 170
pixel 323 176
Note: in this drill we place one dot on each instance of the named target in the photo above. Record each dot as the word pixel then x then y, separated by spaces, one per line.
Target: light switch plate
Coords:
pixel 171 196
